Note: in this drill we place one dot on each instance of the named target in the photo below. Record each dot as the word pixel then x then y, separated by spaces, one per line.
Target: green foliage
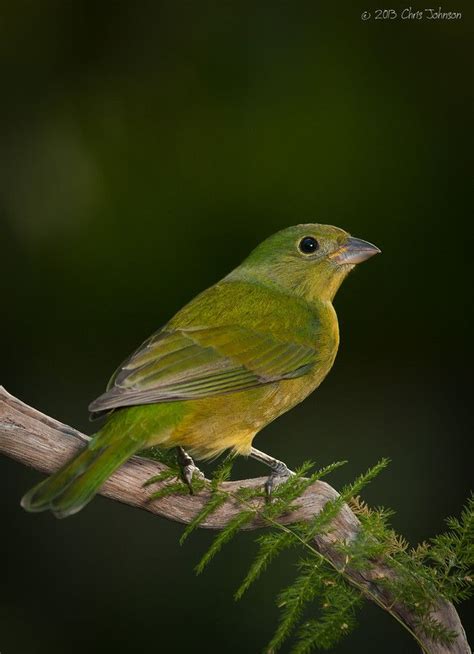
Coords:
pixel 339 603
pixel 217 499
pixel 323 519
pixel 319 607
pixel 169 473
pixel 440 568
pixel 176 488
pixel 331 597
pixel 167 457
pixel 273 543
pixel 452 556
pixel 270 545
pixel 284 496
pixel 172 471
pixel 224 536
pixel 293 600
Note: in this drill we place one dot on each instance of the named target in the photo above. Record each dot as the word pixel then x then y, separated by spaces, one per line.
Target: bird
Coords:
pixel 231 361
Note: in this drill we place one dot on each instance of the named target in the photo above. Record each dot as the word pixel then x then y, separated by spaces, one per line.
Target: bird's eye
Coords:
pixel 308 245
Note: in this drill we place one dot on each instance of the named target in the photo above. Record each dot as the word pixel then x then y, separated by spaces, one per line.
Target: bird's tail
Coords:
pixel 69 489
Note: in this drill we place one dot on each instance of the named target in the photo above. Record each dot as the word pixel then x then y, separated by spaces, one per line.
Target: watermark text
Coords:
pixel 411 14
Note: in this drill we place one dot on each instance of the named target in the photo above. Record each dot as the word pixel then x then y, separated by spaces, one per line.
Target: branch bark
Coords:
pixel 36 440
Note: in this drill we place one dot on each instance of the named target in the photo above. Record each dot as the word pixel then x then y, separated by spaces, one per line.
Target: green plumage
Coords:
pixel 236 357
pixel 74 485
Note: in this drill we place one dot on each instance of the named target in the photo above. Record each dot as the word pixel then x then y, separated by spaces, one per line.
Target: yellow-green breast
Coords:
pixel 206 427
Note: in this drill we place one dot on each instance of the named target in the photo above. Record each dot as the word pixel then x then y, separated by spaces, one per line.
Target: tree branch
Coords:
pixel 45 444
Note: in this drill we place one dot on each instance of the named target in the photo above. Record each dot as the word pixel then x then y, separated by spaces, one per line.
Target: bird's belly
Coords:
pixel 231 421
pixel 206 427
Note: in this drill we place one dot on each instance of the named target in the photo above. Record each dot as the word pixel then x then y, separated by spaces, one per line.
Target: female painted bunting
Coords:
pixel 232 360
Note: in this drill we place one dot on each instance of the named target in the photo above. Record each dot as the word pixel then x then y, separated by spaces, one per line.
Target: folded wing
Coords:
pixel 186 364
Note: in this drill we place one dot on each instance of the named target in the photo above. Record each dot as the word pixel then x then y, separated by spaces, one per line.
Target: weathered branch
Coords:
pixel 41 442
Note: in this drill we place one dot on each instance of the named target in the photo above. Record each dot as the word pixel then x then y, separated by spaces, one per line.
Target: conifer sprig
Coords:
pixel 293 600
pixel 270 545
pixel 442 566
pixel 224 536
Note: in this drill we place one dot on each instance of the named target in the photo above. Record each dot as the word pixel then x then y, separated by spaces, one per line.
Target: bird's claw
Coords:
pixel 188 469
pixel 280 474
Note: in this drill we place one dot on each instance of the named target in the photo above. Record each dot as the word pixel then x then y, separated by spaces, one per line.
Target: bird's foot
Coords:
pixel 188 468
pixel 280 473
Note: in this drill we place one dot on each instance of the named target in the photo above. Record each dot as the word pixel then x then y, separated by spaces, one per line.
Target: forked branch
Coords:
pixel 36 440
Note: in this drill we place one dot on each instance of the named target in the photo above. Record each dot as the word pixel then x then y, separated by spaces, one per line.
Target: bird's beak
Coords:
pixel 354 250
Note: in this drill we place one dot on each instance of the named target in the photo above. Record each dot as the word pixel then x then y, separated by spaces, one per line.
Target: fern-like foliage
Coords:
pixel 294 599
pixel 338 606
pixel 451 556
pixel 437 569
pixel 319 607
pixel 270 545
pixel 171 474
pixel 224 536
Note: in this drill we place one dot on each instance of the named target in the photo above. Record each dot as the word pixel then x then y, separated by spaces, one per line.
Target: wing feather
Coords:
pixel 201 362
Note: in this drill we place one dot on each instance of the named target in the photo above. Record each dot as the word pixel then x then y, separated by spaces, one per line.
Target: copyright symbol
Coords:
pixel 365 15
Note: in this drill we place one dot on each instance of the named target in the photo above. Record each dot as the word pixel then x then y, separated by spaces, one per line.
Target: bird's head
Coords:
pixel 309 260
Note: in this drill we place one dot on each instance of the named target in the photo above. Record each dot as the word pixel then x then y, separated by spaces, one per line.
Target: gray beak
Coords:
pixel 355 250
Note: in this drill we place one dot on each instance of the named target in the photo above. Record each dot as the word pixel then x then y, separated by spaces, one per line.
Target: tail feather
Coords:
pixel 69 489
pixel 80 493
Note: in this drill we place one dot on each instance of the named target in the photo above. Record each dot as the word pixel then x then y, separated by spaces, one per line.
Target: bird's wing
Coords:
pixel 186 364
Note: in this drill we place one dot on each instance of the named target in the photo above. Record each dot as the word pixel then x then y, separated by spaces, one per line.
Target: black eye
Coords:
pixel 308 245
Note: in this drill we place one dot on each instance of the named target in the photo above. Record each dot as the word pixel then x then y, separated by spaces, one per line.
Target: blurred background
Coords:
pixel 146 148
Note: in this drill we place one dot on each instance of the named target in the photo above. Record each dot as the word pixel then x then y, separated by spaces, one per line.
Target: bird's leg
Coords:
pixel 188 468
pixel 280 471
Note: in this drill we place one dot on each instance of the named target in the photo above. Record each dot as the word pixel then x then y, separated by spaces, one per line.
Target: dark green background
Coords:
pixel 145 149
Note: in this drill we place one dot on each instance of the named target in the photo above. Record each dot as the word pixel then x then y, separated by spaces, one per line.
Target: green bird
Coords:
pixel 227 364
